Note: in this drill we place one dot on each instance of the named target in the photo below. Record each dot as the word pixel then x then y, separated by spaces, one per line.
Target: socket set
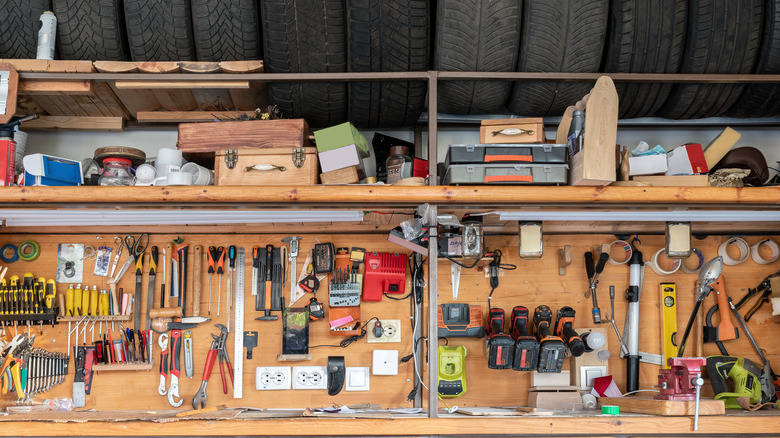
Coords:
pixel 344 289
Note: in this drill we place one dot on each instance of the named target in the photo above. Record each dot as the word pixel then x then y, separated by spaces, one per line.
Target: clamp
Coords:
pixel 200 398
pixel 223 357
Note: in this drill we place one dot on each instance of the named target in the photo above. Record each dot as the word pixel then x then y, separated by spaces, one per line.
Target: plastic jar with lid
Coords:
pixel 116 172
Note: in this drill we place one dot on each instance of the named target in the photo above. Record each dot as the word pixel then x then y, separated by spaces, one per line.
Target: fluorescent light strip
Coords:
pixel 643 216
pixel 36 217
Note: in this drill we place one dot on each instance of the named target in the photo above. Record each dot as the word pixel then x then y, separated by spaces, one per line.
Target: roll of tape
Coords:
pixel 4 253
pixel 744 251
pixel 29 250
pixel 658 270
pixel 769 243
pixel 626 248
pixel 700 257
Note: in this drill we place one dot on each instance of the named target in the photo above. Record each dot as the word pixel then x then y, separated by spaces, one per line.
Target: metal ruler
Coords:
pixel 238 330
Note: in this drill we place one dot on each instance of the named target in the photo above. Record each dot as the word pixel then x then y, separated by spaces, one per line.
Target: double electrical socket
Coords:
pixel 309 377
pixel 391 331
pixel 272 378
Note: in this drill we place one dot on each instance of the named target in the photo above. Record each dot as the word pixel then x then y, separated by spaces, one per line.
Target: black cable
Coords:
pixel 461 264
pixel 495 265
pixel 348 341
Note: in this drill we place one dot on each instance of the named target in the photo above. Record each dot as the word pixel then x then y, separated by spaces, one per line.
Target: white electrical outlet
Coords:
pixel 272 378
pixel 309 377
pixel 391 331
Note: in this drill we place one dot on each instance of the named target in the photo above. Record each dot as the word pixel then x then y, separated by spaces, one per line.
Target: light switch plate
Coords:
pixel 358 379
pixel 588 373
pixel 272 378
pixel 385 363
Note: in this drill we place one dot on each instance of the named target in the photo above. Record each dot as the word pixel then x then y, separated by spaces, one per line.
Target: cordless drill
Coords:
pixel 564 328
pixel 526 345
pixel 499 346
pixel 551 347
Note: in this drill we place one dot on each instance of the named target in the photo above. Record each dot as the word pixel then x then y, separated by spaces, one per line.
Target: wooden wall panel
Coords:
pixel 537 282
pixel 138 390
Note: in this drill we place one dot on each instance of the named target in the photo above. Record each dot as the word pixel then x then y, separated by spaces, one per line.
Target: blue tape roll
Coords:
pixel 5 248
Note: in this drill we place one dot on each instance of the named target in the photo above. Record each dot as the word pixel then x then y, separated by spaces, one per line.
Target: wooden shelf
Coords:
pixel 758 424
pixel 364 195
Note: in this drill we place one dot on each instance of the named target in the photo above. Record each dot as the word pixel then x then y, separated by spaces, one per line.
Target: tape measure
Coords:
pixel 668 321
pixel 238 330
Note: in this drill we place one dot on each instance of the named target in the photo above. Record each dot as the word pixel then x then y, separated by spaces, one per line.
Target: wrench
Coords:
pixel 173 391
pixel 163 343
pixel 199 401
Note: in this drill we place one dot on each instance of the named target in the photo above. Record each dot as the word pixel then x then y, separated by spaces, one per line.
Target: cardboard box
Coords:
pixel 550 400
pixel 687 159
pixel 674 181
pixel 303 175
pixel 529 130
pixel 47 170
pixel 339 136
pixel 339 158
pixel 647 164
pixel 347 175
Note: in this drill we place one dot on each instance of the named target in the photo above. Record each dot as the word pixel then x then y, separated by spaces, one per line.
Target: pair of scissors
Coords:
pixel 135 250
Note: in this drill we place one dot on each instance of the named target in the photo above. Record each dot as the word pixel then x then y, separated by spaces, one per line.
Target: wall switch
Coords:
pixel 357 379
pixel 385 363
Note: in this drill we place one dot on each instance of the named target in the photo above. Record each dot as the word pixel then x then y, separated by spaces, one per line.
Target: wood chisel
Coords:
pixel 181 252
pixel 153 258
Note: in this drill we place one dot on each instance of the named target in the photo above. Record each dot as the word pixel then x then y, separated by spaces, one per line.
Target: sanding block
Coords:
pixel 720 146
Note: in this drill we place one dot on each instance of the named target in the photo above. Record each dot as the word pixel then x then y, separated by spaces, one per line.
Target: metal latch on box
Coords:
pixel 298 157
pixel 5 82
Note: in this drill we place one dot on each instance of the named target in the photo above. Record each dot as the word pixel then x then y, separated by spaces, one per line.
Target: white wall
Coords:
pixel 79 145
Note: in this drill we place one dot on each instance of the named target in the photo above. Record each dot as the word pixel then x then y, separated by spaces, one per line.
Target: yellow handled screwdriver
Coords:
pixel 51 292
pixel 77 292
pixel 69 302
pixel 85 301
pixel 93 302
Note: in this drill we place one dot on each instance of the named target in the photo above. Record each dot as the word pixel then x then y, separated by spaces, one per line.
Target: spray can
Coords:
pixel 7 155
pixel 46 36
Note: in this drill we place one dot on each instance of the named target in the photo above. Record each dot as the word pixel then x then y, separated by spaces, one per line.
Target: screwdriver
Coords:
pixel 231 268
pixel 85 301
pixel 220 259
pixel 216 262
pixel 77 300
pixel 93 302
pixel 69 301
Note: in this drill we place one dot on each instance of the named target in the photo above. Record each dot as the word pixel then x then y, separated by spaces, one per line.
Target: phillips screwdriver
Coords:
pixel 69 301
pixel 77 300
pixel 212 254
pixel 85 301
pixel 93 302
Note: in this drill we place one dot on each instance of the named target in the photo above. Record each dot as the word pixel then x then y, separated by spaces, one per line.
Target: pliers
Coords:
pixel 765 288
pixel 223 357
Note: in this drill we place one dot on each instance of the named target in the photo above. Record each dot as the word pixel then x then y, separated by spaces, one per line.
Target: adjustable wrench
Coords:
pixel 199 401
pixel 162 341
pixel 173 391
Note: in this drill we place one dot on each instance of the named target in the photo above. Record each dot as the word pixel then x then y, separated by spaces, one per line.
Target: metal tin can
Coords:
pixel 46 36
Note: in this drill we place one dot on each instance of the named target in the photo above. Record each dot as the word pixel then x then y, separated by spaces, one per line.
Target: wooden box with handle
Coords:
pixel 254 152
pixel 496 131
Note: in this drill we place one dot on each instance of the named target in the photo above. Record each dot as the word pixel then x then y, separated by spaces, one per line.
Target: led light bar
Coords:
pixel 643 215
pixel 88 217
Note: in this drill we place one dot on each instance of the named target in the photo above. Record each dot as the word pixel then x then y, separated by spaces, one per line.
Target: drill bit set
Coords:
pixel 344 289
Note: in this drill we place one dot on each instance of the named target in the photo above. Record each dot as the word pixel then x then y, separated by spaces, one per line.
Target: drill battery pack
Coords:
pixel 526 345
pixel 499 346
pixel 460 320
pixel 551 348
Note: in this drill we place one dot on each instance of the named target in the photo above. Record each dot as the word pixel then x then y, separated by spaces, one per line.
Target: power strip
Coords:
pixel 309 377
pixel 391 332
pixel 273 378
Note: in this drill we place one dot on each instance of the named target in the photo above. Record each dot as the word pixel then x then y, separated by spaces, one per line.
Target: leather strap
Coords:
pixel 337 373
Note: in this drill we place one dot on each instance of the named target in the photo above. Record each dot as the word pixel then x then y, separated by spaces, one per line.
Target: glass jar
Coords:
pixel 116 172
pixel 399 164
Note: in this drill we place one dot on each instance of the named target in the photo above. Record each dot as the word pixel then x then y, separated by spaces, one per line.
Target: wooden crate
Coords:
pixel 533 131
pixel 306 175
pixel 594 165
pixel 219 136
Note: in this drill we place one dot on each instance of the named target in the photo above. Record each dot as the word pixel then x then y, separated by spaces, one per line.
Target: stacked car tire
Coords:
pixel 330 36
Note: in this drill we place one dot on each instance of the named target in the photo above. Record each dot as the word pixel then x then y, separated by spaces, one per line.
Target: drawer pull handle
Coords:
pixel 264 167
pixel 512 131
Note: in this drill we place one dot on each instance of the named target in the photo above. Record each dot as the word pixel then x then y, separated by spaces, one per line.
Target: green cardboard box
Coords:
pixel 341 135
